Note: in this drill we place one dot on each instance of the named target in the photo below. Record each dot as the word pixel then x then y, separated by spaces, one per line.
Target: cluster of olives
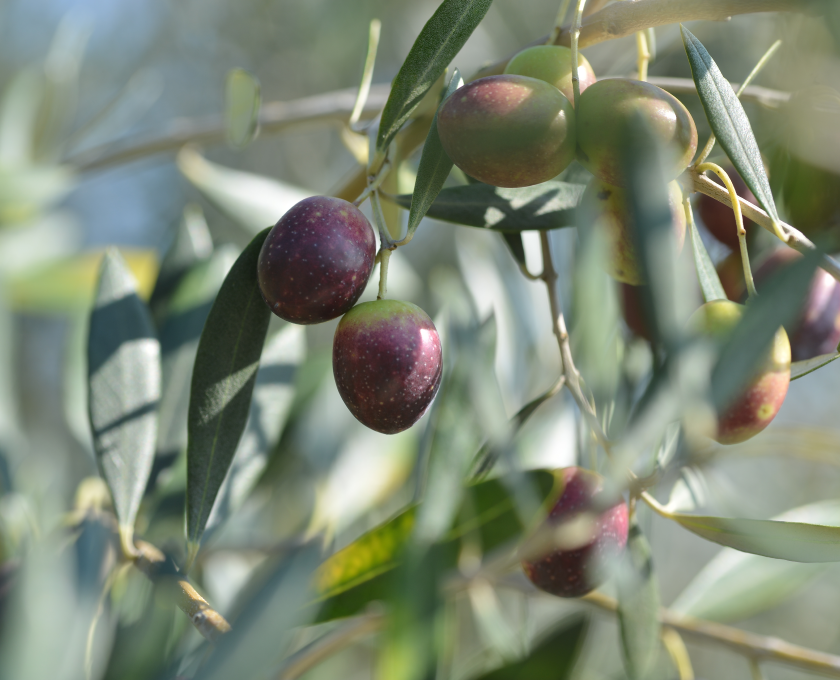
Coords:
pixel 313 267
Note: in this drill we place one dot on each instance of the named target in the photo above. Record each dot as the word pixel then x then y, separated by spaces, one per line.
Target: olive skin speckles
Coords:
pixel 387 363
pixel 508 130
pixel 575 572
pixel 316 261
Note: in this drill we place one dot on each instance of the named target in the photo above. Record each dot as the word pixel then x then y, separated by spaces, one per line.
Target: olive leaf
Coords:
pixel 433 169
pixel 736 585
pixel 124 383
pixel 242 107
pixel 638 606
pixel 707 275
pixel 552 658
pixel 728 121
pixel 441 39
pixel 793 541
pixel 223 380
pixel 550 205
pixel 802 368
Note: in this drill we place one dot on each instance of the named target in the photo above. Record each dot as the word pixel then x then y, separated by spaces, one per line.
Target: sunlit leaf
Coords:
pixel 273 394
pixel 124 379
pixel 222 383
pixel 67 286
pixel 728 121
pixel 253 201
pixel 550 205
pixel 707 275
pixel 242 107
pixel 806 366
pixel 188 308
pixel 440 40
pixel 793 541
pixel 638 606
pixel 433 169
pixel 737 585
pixel 552 658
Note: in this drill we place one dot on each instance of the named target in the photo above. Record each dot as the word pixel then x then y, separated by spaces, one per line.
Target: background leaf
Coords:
pixel 793 541
pixel 553 658
pixel 124 379
pixel 806 366
pixel 707 275
pixel 274 391
pixel 550 205
pixel 252 200
pixel 728 121
pixel 434 167
pixel 440 40
pixel 223 379
pixel 638 606
pixel 242 107
pixel 736 585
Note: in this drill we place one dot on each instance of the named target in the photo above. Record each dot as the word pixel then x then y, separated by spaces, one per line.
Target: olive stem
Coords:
pixel 676 649
pixel 374 181
pixel 643 58
pixel 558 22
pixel 704 154
pixel 570 372
pixel 755 670
pixel 739 220
pixel 576 21
pixel 367 73
pixel 384 258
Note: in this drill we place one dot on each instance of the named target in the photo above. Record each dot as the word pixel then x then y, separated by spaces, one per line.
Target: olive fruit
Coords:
pixel 759 401
pixel 553 64
pixel 606 110
pixel 387 363
pixel 508 130
pixel 607 206
pixel 316 261
pixel 576 571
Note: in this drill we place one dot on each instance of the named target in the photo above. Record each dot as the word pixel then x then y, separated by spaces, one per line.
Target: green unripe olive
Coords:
pixel 606 206
pixel 553 64
pixel 760 400
pixel 606 109
pixel 508 130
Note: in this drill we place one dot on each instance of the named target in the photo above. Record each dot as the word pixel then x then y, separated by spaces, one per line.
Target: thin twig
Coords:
pixel 153 564
pixel 749 644
pixel 795 238
pixel 331 107
pixel 549 277
pixel 576 21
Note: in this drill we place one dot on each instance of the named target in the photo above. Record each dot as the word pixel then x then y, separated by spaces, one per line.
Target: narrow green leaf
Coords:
pixel 737 585
pixel 638 606
pixel 124 380
pixel 187 310
pixel 513 240
pixel 728 121
pixel 552 658
pixel 270 405
pixel 253 201
pixel 440 40
pixel 222 383
pixel 806 366
pixel 779 304
pixel 550 205
pixel 265 628
pixel 356 575
pixel 242 107
pixel 433 169
pixel 793 541
pixel 707 275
